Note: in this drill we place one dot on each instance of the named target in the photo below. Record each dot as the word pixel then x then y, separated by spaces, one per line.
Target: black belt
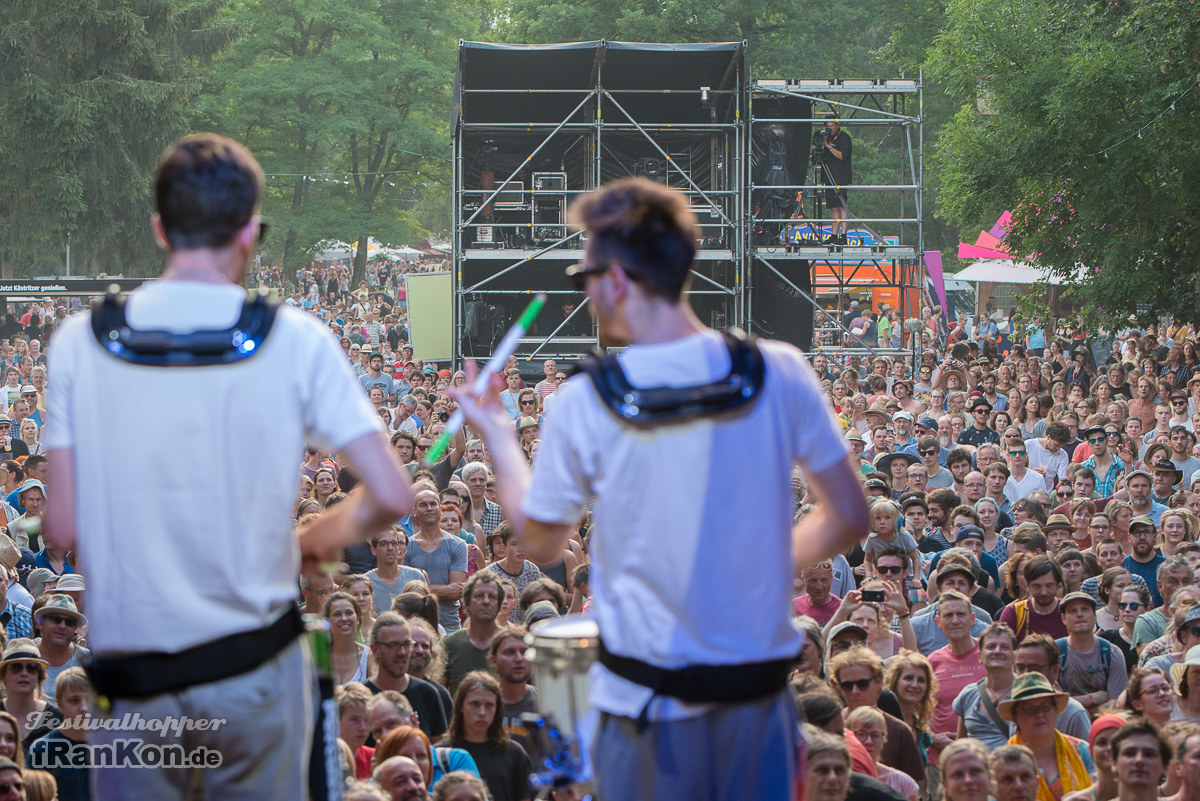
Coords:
pixel 144 675
pixel 703 684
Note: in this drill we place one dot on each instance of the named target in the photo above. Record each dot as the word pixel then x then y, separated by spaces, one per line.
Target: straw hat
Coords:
pixel 1029 687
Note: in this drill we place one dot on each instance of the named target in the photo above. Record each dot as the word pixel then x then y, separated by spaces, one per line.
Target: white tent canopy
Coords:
pixel 1004 271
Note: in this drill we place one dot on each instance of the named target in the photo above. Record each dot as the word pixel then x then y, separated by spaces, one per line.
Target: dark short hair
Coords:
pixel 646 228
pixel 1039 566
pixel 896 551
pixel 206 187
pixel 1140 725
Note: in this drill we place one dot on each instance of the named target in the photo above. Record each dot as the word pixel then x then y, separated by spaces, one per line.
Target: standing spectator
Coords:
pixel 1064 762
pixel 507 660
pixel 391 643
pixel 1140 755
pixel 1144 559
pixel 1015 773
pixel 478 728
pixel 59 621
pixel 70 766
pixel 956 666
pixel 1039 613
pixel 1039 654
pixel 467 649
pixel 818 602
pixel 858 676
pixel 390 574
pixel 514 567
pixel 1093 672
pixel 442 556
pixel 975 706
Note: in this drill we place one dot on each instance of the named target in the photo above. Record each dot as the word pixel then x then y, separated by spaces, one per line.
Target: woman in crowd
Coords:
pixel 411 742
pixel 1113 582
pixel 1030 419
pixel 324 485
pixel 910 678
pixel 880 638
pixel 29 435
pixel 358 587
pixel 1080 512
pixel 416 601
pixel 1176 527
pixel 1074 568
pixel 350 657
pixel 23 675
pixel 1000 421
pixel 1064 762
pixel 1149 694
pixel 964 771
pixel 452 523
pixel 857 417
pixel 995 544
pixel 812 655
pixel 869 727
pixel 1155 452
pixel 1015 587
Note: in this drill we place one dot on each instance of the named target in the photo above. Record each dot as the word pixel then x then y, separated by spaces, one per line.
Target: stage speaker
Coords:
pixel 779 311
pixel 549 217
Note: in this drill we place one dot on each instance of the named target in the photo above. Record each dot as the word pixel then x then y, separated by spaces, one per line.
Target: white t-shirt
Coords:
pixel 1030 483
pixel 691 539
pixel 1055 463
pixel 184 508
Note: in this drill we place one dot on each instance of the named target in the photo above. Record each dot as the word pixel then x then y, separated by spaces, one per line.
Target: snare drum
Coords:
pixel 562 649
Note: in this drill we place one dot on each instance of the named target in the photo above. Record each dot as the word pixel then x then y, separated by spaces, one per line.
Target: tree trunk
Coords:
pixel 360 263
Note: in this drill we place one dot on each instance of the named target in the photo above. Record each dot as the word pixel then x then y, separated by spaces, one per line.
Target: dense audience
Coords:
pixel 1020 614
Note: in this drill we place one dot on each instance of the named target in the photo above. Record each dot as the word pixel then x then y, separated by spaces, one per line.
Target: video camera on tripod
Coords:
pixel 818 141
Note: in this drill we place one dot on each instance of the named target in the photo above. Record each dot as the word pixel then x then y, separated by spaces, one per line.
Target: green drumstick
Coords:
pixel 506 348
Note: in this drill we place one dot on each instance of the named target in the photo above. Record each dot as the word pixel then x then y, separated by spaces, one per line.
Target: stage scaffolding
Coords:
pixel 536 125
pixel 883 259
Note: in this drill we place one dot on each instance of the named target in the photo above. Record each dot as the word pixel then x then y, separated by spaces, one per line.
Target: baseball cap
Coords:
pixel 928 423
pixel 1143 520
pixel 1133 473
pixel 28 389
pixel 539 611
pixel 968 532
pixel 945 568
pixel 1078 595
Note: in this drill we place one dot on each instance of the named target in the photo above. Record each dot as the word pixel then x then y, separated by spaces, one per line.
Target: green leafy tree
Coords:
pixel 346 103
pixel 90 94
pixel 1094 143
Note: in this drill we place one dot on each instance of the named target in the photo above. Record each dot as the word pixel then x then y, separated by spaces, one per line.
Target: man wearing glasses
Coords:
pixel 1144 559
pixel 391 645
pixel 1107 466
pixel 732 475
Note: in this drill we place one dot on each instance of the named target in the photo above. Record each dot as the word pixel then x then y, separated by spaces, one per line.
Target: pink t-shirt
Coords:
pixel 953 673
pixel 821 614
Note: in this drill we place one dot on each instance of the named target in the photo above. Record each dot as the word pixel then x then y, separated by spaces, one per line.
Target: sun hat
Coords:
pixel 1029 687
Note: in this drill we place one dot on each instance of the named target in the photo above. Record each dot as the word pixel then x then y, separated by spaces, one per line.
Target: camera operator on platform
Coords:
pixel 835 162
pixel 731 482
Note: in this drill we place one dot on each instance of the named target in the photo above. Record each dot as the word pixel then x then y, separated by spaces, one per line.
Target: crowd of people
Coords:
pixel 1019 618
pixel 1028 579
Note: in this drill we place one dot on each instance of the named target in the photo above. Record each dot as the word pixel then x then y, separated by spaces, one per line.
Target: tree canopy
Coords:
pixel 1094 142
pixel 90 94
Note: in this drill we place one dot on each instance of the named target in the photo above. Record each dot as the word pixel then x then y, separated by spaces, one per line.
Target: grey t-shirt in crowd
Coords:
pixel 451 554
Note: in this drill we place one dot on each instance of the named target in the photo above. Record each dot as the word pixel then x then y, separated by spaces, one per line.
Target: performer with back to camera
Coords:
pixel 836 172
pixel 189 548
pixel 692 491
